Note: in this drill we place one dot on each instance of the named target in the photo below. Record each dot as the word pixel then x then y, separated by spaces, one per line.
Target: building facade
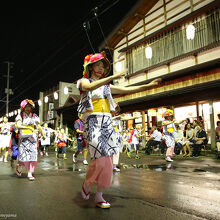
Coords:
pixel 58 103
pixel 179 41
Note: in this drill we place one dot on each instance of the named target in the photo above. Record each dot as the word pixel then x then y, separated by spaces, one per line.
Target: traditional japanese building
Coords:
pixel 179 41
pixel 58 105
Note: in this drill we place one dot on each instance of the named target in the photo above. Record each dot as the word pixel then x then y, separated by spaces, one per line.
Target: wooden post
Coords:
pixel 57 120
pixel 144 128
pixel 197 110
pixel 41 108
pixel 191 5
pixel 165 12
pixel 61 119
pixel 212 125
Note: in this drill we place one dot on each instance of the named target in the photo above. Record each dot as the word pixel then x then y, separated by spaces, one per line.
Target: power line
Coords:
pixel 85 26
pixel 8 91
pixel 45 75
pixel 97 19
pixel 46 62
pixel 104 10
pixel 71 30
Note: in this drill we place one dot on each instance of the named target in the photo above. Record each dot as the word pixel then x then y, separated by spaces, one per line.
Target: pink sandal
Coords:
pixel 84 194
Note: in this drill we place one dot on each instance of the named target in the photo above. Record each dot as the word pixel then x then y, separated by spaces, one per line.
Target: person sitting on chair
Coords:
pixel 178 135
pixel 217 130
pixel 201 139
pixel 154 140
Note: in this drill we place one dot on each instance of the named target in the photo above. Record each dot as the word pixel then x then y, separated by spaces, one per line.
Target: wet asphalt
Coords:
pixel 148 188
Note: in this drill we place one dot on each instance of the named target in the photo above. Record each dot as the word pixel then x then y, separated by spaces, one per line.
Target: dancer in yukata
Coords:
pixel 168 133
pixel 28 138
pixel 96 105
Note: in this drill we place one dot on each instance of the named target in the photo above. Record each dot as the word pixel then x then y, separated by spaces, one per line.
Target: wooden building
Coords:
pixel 179 41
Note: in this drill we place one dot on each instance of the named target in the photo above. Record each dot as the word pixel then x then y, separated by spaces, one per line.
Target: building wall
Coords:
pixel 71 88
pixel 62 98
pixel 154 20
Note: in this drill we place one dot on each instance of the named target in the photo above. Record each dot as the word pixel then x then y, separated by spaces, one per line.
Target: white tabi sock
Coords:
pixel 30 174
pixel 98 197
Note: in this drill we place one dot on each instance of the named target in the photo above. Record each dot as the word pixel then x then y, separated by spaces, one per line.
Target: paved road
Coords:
pixel 148 188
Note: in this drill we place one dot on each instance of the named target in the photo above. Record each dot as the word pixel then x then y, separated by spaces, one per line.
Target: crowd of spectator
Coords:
pixel 189 141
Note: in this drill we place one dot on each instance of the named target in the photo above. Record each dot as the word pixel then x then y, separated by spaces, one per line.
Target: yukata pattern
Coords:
pixel 28 142
pixel 5 135
pixel 99 133
pixel 168 137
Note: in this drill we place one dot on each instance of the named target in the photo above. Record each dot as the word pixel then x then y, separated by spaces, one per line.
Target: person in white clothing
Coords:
pixel 168 132
pixel 45 143
pixel 126 144
pixel 154 140
pixel 5 136
pixel 116 121
pixel 28 138
pixel 134 140
pixel 179 140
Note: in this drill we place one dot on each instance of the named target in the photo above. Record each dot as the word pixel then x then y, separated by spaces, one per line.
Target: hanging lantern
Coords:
pixel 19 111
pixel 15 112
pixel 148 52
pixel 55 95
pixel 118 67
pixel 39 102
pixel 46 99
pixel 66 90
pixel 190 32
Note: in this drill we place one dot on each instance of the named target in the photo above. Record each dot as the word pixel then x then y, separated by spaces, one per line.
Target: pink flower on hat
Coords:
pixel 23 103
pixel 92 58
pixel 96 57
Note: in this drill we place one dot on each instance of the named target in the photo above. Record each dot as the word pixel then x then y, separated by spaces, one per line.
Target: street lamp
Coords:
pixel 66 90
pixel 118 67
pixel 46 99
pixel 55 95
pixel 39 102
pixel 148 52
pixel 190 32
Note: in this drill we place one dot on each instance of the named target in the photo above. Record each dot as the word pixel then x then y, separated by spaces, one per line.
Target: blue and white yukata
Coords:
pixel 99 132
pixel 100 136
pixel 168 136
pixel 28 141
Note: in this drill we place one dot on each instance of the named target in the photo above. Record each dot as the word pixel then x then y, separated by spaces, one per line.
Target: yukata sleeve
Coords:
pixel 37 119
pixel 78 84
pixel 18 118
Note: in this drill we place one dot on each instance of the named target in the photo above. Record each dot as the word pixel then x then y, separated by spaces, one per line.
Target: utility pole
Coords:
pixel 8 91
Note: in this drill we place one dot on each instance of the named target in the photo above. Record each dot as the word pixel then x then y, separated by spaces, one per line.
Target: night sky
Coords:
pixel 48 44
